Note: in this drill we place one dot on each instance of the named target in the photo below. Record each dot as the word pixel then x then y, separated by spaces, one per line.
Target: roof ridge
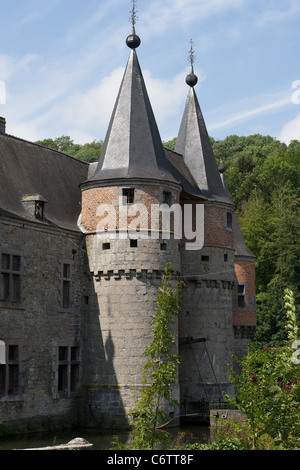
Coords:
pixel 43 147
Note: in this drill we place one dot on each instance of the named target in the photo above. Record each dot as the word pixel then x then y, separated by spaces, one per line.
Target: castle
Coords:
pixel 82 256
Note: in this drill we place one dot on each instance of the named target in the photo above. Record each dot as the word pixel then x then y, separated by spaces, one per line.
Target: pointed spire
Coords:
pixel 194 144
pixel 133 146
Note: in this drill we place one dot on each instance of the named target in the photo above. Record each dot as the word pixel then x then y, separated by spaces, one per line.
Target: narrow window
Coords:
pixel 163 246
pixel 225 257
pixel 62 369
pixel 74 378
pixel 229 220
pixel 128 195
pixel 241 296
pixel 13 370
pixel 2 379
pixel 66 286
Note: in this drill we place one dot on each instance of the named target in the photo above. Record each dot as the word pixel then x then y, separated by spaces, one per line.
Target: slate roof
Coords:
pixel 30 169
pixel 194 144
pixel 133 146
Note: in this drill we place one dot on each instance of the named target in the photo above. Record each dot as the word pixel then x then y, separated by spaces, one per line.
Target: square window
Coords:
pixel 133 243
pixel 106 246
pixel 128 195
pixel 163 246
pixel 205 258
pixel 10 278
pixel 63 353
pixel 167 198
pixel 241 289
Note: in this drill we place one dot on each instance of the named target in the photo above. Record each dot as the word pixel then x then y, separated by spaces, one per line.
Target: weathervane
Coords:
pixel 192 79
pixel 133 41
pixel 133 18
pixel 192 53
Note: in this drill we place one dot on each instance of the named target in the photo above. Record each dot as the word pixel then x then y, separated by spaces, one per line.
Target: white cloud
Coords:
pixel 290 131
pixel 265 105
pixel 173 13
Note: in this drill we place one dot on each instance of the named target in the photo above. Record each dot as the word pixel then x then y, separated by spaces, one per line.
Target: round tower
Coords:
pixel 127 246
pixel 205 324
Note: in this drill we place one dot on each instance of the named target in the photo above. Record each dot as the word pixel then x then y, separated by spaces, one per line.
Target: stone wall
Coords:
pixel 39 324
pixel 205 323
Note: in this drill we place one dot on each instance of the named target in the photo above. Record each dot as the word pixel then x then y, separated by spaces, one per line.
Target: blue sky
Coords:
pixel 62 61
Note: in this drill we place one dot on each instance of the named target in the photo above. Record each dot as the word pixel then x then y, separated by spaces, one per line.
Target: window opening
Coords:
pixel 241 296
pixel 128 194
pixel 10 287
pixel 66 285
pixel 167 198
pixel 229 220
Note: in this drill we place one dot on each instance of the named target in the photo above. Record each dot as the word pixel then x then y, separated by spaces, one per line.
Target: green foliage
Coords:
pixel 263 179
pixel 268 388
pixel 159 373
pixel 89 152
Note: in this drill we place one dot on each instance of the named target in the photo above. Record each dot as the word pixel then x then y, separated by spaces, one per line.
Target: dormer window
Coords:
pixel 35 206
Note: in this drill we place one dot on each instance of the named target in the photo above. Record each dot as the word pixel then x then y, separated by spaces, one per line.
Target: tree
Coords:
pixel 159 374
pixel 89 152
pixel 268 389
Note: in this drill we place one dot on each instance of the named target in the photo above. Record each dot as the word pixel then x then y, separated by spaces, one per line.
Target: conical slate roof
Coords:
pixel 133 146
pixel 194 144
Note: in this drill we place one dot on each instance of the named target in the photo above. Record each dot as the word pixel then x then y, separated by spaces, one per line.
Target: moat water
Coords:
pixel 101 440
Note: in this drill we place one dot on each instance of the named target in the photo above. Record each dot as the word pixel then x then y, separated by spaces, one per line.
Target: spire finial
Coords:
pixel 192 53
pixel 221 167
pixel 133 13
pixel 133 41
pixel 192 79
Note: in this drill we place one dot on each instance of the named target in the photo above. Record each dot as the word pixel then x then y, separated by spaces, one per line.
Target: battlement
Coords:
pixel 155 274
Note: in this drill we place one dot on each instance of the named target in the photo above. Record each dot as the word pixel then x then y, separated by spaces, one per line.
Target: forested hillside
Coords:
pixel 263 178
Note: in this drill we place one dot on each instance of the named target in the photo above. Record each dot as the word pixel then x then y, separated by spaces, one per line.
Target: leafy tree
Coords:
pixel 89 152
pixel 268 389
pixel 159 372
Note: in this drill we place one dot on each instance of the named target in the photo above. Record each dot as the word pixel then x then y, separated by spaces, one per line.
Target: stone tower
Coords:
pixel 127 249
pixel 205 324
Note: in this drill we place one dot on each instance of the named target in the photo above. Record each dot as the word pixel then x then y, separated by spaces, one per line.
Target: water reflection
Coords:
pixel 100 440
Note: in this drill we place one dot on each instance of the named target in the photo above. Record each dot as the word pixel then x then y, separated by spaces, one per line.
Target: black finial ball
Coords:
pixel 191 80
pixel 221 167
pixel 133 41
